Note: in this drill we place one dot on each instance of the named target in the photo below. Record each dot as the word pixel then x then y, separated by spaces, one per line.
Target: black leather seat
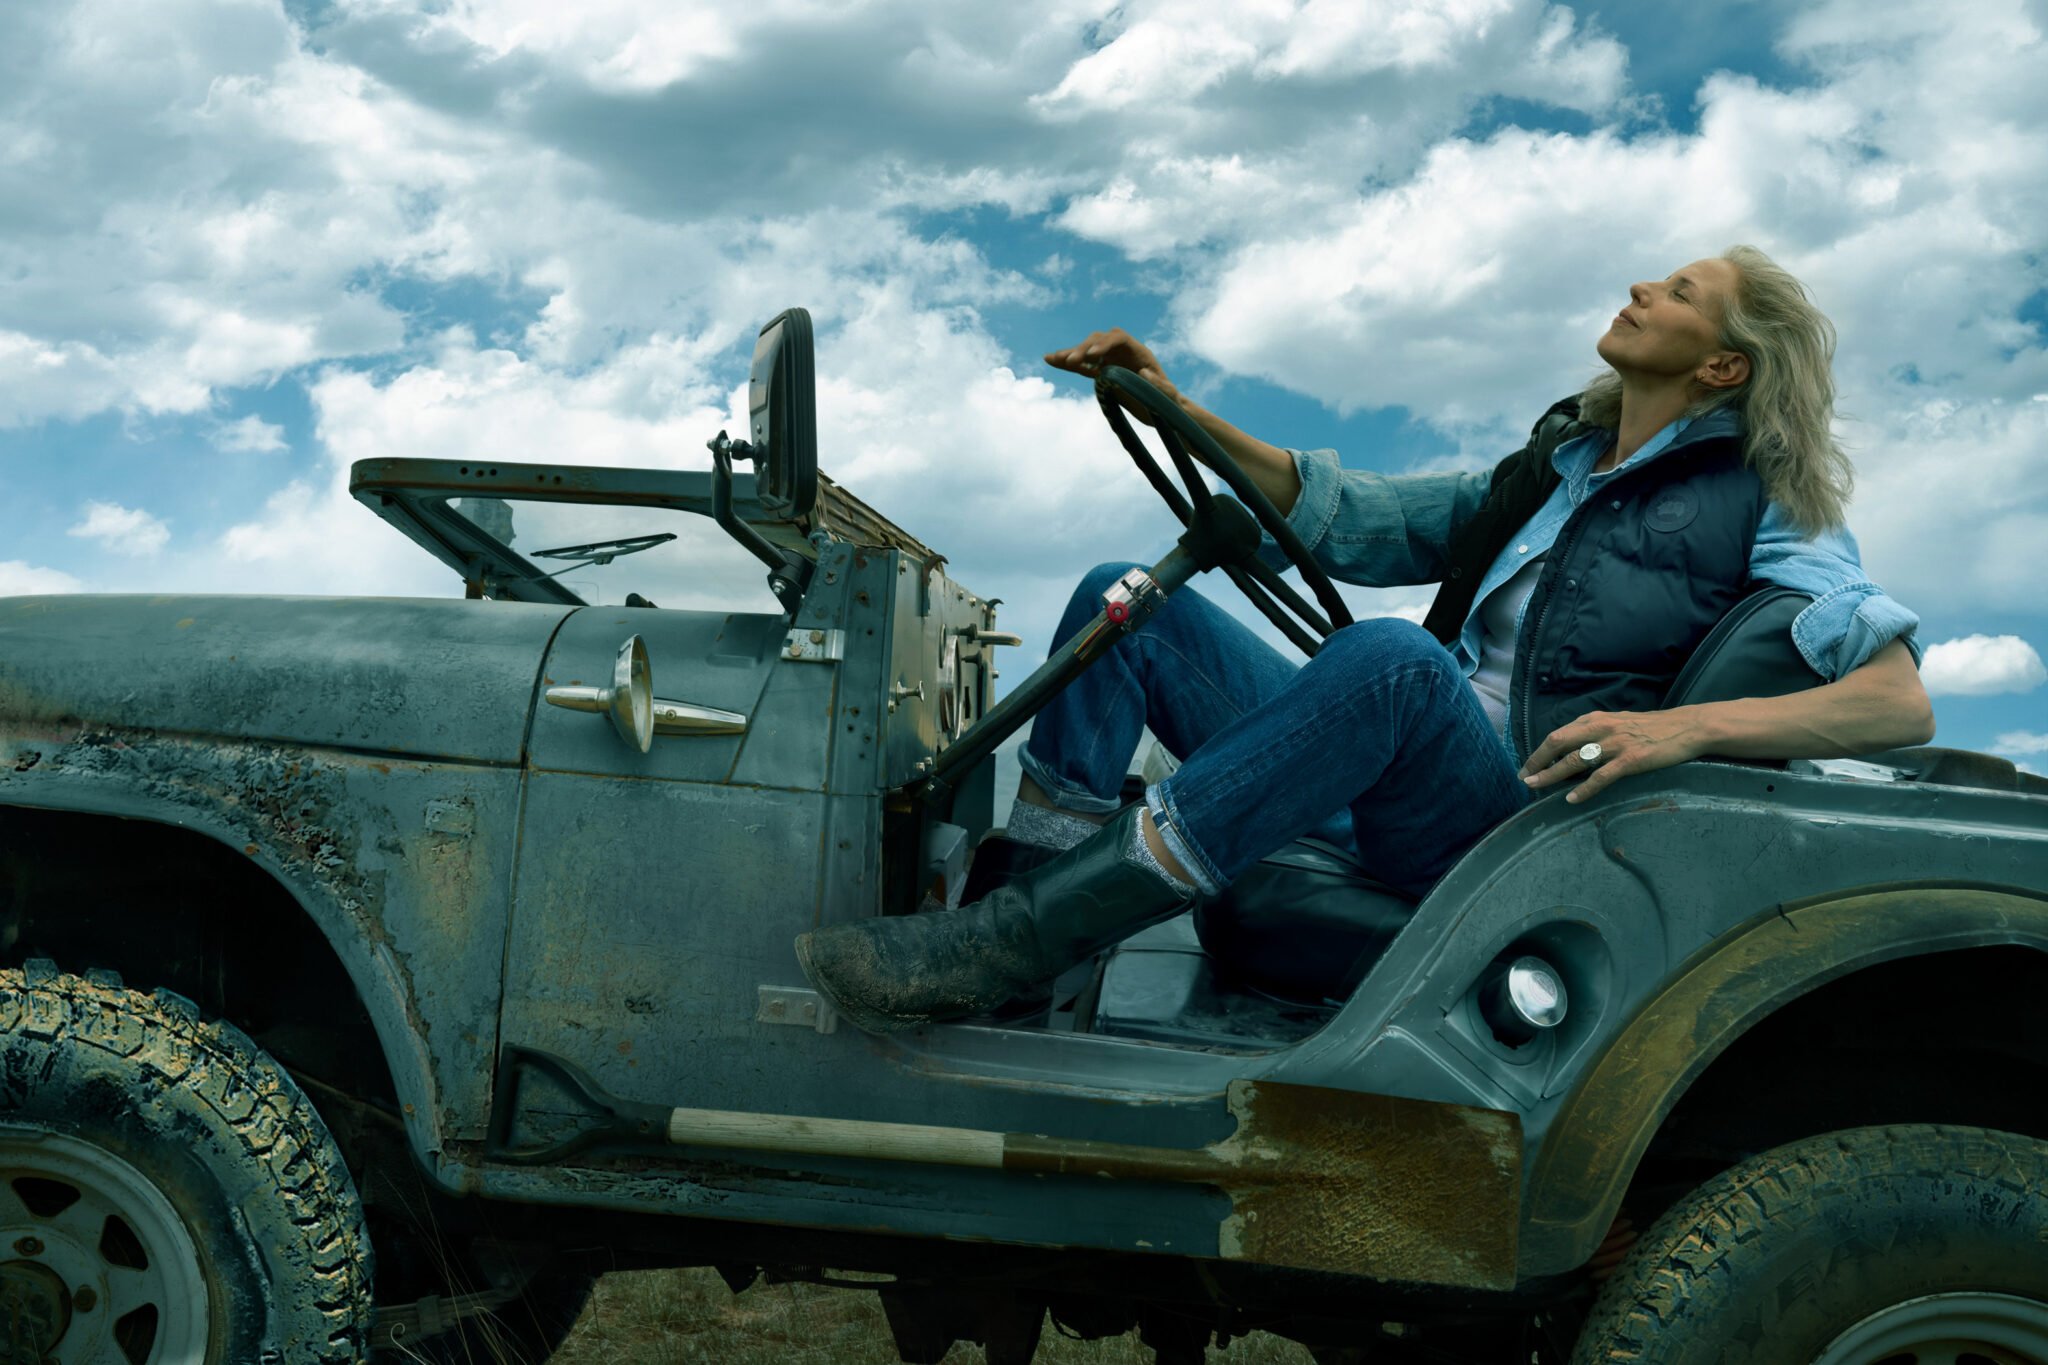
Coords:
pixel 1304 924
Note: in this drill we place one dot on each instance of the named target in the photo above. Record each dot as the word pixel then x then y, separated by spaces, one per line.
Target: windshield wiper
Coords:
pixel 600 552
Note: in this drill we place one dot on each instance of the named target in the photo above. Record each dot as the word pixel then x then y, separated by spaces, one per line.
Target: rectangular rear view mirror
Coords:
pixel 782 404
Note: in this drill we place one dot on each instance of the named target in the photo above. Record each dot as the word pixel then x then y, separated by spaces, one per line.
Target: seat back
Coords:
pixel 1749 653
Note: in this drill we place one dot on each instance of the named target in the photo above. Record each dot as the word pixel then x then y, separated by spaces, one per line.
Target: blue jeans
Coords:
pixel 1378 738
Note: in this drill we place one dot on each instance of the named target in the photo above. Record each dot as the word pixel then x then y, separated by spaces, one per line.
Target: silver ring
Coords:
pixel 1589 754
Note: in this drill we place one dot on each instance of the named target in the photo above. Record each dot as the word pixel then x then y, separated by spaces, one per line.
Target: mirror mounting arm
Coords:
pixel 788 573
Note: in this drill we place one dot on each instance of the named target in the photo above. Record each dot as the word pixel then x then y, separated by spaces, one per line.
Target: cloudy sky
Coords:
pixel 244 243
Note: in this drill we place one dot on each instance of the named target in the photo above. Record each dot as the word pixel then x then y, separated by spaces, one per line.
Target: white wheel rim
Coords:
pixel 1947 1329
pixel 94 1250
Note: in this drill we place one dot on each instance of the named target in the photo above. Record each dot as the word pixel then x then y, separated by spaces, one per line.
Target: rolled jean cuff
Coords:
pixel 1063 794
pixel 1164 819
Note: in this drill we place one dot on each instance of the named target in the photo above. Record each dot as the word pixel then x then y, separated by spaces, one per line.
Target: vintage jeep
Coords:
pixel 376 973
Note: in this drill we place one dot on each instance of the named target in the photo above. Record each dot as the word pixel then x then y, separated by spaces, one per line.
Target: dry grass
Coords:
pixel 669 1317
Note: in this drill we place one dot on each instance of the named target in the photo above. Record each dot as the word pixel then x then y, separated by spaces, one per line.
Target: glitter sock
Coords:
pixel 1140 852
pixel 1029 824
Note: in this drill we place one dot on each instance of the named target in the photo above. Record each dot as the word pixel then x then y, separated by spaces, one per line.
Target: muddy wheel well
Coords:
pixel 168 907
pixel 1949 1038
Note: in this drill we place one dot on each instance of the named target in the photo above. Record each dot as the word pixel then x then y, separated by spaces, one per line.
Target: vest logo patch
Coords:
pixel 1672 509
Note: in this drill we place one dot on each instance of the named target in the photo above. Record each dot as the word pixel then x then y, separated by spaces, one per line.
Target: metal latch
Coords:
pixel 973 633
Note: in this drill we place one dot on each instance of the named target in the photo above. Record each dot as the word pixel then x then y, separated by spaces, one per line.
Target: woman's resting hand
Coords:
pixel 1630 742
pixel 1881 705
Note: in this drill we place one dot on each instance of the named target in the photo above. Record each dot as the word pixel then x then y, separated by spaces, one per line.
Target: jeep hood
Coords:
pixel 439 678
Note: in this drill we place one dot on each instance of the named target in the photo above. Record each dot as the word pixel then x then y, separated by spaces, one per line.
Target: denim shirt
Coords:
pixel 1382 530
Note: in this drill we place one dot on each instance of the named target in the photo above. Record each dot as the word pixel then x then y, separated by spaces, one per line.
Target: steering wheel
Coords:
pixel 1276 601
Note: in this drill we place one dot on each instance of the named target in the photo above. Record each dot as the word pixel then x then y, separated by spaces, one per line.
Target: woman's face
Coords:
pixel 1671 328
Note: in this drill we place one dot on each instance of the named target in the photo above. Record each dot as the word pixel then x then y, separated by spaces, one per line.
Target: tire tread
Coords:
pixel 1683 1272
pixel 168 1041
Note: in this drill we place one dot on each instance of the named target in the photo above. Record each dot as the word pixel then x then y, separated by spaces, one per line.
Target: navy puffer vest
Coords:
pixel 1638 576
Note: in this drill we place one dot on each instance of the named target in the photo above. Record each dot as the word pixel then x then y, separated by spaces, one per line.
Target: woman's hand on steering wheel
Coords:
pixel 1116 347
pixel 1128 379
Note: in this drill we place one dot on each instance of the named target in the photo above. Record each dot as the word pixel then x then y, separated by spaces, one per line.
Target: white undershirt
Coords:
pixel 1500 617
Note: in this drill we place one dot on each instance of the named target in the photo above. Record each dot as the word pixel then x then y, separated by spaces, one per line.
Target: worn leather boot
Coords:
pixel 1000 860
pixel 900 971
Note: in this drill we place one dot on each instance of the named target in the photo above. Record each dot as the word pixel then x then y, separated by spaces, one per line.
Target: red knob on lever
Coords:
pixel 1117 612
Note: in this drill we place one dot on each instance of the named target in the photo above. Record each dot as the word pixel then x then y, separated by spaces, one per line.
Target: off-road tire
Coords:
pixel 220 1131
pixel 1770 1262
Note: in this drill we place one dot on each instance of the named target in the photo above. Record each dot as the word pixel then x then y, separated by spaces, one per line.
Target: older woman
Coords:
pixel 1579 574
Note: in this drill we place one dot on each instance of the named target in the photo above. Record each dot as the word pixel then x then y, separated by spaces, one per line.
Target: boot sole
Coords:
pixel 866 1020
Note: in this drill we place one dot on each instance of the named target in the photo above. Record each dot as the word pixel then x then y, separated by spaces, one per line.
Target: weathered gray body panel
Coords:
pixel 431 677
pixel 374 850
pixel 281 728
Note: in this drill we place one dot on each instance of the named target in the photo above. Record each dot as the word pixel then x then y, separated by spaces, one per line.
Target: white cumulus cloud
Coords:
pixel 1981 665
pixel 21 579
pixel 123 530
pixel 198 196
pixel 250 435
pixel 2021 745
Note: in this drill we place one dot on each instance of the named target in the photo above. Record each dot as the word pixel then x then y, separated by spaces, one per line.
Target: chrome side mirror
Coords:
pixel 629 701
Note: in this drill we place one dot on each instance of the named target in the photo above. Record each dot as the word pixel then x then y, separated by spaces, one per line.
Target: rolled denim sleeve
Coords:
pixel 1851 617
pixel 1378 530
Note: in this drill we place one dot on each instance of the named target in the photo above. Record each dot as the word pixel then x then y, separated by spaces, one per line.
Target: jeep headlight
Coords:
pixel 1522 997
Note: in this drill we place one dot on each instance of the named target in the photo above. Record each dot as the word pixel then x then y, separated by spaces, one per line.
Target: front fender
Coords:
pixel 1605 1125
pixel 402 865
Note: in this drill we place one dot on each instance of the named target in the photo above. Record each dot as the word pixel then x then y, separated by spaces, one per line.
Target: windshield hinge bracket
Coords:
pixel 815 646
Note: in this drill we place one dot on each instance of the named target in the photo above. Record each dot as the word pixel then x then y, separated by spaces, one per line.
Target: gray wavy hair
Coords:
pixel 1788 402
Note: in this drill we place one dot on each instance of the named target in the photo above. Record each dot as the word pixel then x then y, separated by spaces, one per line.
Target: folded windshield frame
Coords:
pixel 413 494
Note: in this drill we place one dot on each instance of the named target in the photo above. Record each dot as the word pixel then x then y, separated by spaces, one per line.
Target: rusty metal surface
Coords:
pixel 1605 1124
pixel 1374 1185
pixel 1334 1180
